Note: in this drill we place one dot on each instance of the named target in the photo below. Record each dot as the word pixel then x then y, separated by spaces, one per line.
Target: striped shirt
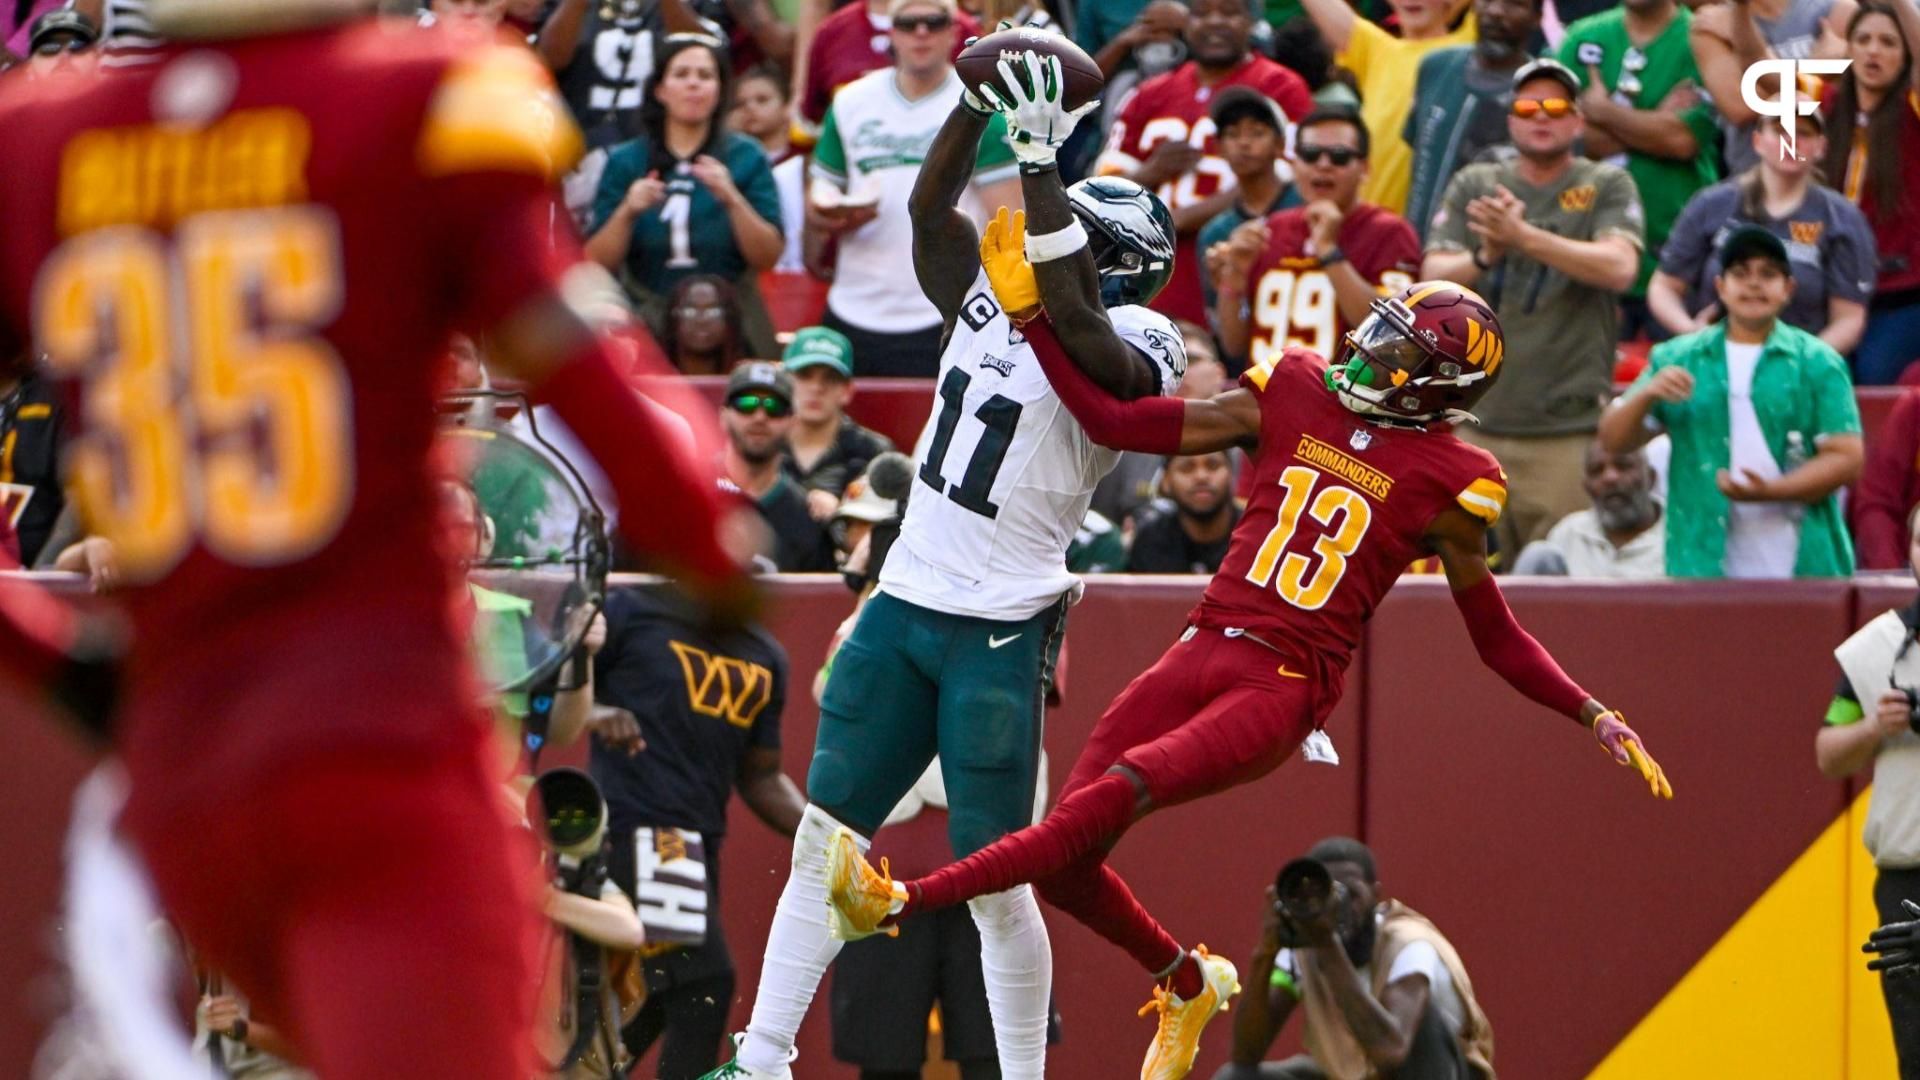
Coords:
pixel 129 39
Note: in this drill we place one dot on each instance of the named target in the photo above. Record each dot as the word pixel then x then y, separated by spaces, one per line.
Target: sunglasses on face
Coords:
pixel 1553 108
pixel 1339 155
pixel 748 404
pixel 932 24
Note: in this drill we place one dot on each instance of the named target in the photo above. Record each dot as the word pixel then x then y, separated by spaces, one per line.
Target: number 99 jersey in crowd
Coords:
pixel 246 259
pixel 1005 472
pixel 1339 508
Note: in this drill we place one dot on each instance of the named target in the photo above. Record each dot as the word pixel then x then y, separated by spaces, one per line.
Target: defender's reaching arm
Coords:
pixel 1504 646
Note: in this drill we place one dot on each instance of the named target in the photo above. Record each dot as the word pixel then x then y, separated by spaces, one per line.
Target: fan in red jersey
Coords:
pixel 1359 474
pixel 1164 137
pixel 246 258
pixel 1304 276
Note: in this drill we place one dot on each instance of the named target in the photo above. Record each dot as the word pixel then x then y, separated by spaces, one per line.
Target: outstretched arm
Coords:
pixel 1152 425
pixel 1070 290
pixel 1504 645
pixel 1038 124
pixel 945 245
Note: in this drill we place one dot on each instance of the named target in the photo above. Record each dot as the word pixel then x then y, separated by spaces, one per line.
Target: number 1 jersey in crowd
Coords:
pixel 246 259
pixel 1339 508
pixel 1004 472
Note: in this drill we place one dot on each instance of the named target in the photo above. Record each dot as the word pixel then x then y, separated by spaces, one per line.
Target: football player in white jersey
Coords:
pixel 953 653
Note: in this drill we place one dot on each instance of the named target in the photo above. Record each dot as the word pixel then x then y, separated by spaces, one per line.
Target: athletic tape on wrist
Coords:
pixel 1046 247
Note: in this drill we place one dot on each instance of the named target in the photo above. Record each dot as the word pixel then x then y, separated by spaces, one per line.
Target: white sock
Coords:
pixel 798 949
pixel 1017 962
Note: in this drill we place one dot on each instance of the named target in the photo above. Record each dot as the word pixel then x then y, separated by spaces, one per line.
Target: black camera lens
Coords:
pixel 1303 883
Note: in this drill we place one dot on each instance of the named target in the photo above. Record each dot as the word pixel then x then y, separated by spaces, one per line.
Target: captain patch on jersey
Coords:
pixel 1005 472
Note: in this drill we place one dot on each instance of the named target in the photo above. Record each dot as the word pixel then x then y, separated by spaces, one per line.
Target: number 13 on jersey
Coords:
pixel 1344 516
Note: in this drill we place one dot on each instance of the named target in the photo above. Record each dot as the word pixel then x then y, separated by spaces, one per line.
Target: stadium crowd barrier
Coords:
pixel 1607 934
pixel 898 408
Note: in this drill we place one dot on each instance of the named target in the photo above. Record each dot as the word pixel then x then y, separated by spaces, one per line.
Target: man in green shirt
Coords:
pixel 1551 241
pixel 1764 427
pixel 1642 113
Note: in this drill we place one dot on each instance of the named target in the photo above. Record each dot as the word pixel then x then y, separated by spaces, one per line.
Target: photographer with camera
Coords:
pixel 590 982
pixel 1382 991
pixel 1874 720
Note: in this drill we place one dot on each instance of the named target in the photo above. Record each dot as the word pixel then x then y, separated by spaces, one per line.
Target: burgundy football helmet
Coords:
pixel 1428 352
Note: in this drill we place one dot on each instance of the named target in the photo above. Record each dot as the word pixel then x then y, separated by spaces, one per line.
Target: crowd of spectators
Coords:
pixel 1583 165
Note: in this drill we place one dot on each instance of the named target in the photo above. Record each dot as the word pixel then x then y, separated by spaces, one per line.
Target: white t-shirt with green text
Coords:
pixel 873 143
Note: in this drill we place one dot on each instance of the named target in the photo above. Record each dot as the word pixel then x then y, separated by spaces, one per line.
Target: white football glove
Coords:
pixel 1037 123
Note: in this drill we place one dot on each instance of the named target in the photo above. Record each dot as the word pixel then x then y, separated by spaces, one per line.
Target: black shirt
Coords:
pixel 1161 546
pixel 610 66
pixel 31 429
pixel 801 544
pixel 702 703
pixel 854 448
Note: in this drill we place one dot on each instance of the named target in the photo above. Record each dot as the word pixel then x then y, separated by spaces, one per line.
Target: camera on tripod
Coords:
pixel 570 816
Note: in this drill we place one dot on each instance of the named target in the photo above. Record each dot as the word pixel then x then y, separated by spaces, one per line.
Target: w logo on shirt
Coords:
pixel 723 687
pixel 1806 232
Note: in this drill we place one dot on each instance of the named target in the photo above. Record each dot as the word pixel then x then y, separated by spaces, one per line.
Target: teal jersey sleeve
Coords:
pixel 754 177
pixel 623 168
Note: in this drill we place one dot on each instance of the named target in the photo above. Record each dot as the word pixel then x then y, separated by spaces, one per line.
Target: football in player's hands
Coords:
pixel 980 62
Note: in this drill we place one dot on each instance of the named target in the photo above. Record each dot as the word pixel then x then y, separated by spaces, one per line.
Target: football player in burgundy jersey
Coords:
pixel 1359 475
pixel 1164 138
pixel 1305 275
pixel 246 258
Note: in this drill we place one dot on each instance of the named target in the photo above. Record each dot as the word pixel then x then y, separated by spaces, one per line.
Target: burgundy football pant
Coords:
pixel 1214 712
pixel 379 912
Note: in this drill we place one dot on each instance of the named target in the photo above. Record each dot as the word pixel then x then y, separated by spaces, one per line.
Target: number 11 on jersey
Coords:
pixel 1000 414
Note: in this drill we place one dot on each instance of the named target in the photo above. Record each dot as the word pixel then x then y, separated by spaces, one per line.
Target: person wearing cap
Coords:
pixel 876 137
pixel 1643 110
pixel 1460 100
pixel 1764 427
pixel 62 40
pixel 1164 137
pixel 826 448
pixel 1304 276
pixel 757 417
pixel 1551 241
pixel 1252 135
pixel 1828 240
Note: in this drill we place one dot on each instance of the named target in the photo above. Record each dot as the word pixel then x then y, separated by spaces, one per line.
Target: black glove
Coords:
pixel 1898 944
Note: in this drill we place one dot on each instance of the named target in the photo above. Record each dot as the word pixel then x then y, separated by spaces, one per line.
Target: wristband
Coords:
pixel 1331 256
pixel 1488 265
pixel 238 1033
pixel 1046 247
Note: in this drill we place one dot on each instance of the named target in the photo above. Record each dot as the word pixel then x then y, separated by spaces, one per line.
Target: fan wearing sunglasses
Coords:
pixel 757 418
pixel 1304 276
pixel 1551 240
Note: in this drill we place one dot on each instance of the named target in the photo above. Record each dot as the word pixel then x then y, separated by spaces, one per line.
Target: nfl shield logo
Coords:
pixel 1360 439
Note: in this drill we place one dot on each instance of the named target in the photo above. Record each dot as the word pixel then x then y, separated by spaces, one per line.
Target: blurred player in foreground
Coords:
pixel 1358 475
pixel 953 653
pixel 247 257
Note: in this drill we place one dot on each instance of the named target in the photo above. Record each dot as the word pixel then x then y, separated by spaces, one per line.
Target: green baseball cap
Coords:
pixel 815 345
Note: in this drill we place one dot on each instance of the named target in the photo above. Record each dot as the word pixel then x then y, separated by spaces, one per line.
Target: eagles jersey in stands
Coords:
pixel 1339 507
pixel 1005 472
